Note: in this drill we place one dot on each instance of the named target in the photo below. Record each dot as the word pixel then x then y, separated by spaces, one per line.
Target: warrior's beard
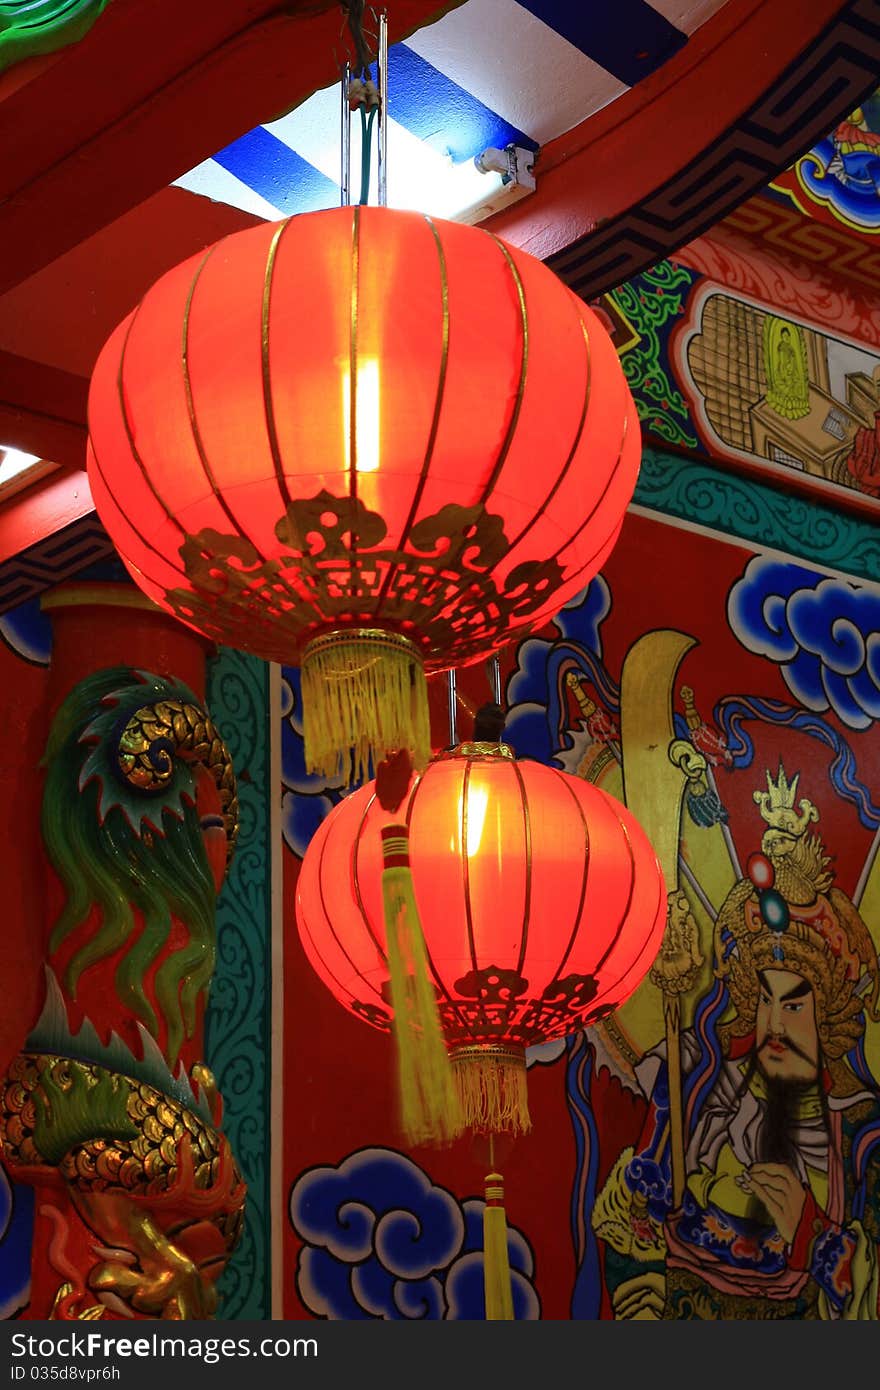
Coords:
pixel 776 1140
pixel 777 1136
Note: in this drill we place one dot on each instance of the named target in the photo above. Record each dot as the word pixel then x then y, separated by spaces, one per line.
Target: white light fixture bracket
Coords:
pixel 514 163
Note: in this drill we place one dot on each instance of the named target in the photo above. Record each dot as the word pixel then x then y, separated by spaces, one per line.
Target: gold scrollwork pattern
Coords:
pixel 440 588
pixel 156 734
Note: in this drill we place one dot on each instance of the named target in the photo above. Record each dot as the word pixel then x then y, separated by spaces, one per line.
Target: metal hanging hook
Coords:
pixel 345 138
pixel 452 697
pixel 494 673
pixel 363 93
pixel 382 177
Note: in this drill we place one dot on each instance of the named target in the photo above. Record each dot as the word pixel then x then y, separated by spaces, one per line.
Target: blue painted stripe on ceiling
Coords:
pixel 278 173
pixel 628 38
pixel 436 110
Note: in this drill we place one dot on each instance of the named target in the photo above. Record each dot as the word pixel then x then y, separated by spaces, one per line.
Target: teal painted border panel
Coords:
pixel 747 510
pixel 238 1032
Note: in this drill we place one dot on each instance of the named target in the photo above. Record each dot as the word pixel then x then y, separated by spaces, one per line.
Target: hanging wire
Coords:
pixel 366 153
pixel 354 10
pixel 363 92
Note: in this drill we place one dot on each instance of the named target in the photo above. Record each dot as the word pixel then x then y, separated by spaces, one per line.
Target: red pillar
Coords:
pixel 94 626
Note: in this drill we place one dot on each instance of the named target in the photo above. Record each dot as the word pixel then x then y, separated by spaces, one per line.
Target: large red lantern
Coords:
pixel 541 901
pixel 364 440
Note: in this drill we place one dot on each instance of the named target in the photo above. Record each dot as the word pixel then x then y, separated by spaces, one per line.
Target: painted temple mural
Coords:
pixel 733 703
pixel 841 175
pixel 734 376
pixel 736 715
pixel 767 386
pixel 709 1151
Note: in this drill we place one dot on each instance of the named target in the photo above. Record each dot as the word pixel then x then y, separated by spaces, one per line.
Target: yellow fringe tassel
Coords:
pixel 496 1263
pixel 429 1105
pixel 491 1081
pixel 364 695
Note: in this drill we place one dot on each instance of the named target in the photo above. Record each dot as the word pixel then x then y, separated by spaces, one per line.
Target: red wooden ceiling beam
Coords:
pixel 134 50
pixel 42 409
pixel 42 510
pixel 613 160
pixel 152 90
pixel 63 314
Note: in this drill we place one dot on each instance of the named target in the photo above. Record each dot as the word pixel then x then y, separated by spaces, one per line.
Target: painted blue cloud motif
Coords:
pixel 381 1240
pixel 307 798
pixel 823 633
pixel 26 630
pixel 16 1229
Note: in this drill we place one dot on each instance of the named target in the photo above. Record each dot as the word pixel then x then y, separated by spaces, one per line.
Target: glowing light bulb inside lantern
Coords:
pixel 472 810
pixel 367 434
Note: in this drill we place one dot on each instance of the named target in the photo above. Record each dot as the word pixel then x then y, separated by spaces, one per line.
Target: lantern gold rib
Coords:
pixel 438 410
pixel 586 521
pixel 129 434
pixel 268 405
pixel 466 887
pixel 623 920
pixel 140 535
pixel 272 428
pixel 190 406
pixel 527 896
pixel 588 391
pixel 584 879
pixel 489 487
pixel 661 897
pixel 465 868
pixel 335 936
pixel 193 423
pixel 414 790
pixel 356 885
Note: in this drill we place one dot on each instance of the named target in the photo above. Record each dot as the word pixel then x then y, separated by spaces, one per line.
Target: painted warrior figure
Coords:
pixel 108 1113
pixel 780 1216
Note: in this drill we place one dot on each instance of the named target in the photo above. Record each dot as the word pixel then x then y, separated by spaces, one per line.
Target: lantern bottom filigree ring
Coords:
pixel 363 689
pixel 491 1083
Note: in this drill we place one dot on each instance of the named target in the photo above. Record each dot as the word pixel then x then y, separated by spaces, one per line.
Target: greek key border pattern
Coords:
pixel 823 84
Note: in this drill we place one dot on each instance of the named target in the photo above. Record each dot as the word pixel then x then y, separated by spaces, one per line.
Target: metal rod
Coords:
pixel 495 679
pixel 383 109
pixel 452 697
pixel 345 139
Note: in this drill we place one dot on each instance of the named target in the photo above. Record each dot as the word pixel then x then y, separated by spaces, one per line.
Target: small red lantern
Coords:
pixel 471 480
pixel 541 901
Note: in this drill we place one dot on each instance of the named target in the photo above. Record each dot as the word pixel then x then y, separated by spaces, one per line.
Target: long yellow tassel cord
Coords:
pixel 364 692
pixel 496 1263
pixel 429 1103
